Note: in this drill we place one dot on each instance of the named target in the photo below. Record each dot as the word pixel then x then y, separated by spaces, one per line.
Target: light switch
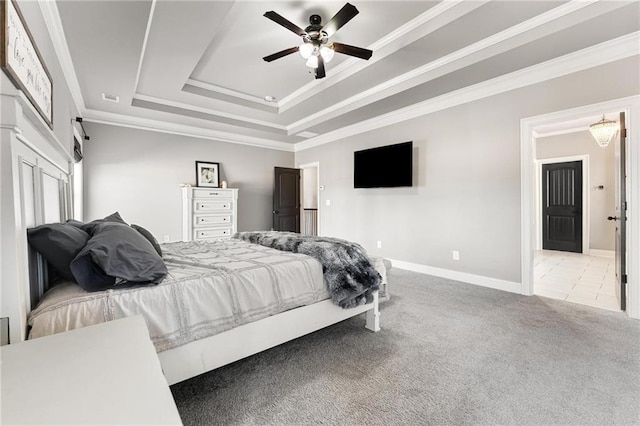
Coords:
pixel 328 202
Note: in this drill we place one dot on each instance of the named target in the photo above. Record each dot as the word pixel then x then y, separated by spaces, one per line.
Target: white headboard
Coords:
pixel 35 182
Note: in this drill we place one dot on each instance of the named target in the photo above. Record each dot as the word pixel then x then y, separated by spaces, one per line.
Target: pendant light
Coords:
pixel 603 131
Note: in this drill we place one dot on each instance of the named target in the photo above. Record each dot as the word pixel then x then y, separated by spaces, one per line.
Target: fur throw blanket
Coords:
pixel 351 277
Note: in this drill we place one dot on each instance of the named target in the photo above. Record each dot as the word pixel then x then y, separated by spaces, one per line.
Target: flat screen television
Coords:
pixel 384 167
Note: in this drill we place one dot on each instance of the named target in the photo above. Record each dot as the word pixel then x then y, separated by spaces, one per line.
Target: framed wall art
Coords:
pixel 207 174
pixel 22 62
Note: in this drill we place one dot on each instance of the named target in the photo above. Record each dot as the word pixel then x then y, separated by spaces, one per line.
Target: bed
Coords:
pixel 220 301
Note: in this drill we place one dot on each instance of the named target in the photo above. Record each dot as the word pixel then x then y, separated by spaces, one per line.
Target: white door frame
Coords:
pixel 586 216
pixel 631 107
pixel 315 164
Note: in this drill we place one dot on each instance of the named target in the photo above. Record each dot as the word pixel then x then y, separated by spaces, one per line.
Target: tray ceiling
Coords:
pixel 198 64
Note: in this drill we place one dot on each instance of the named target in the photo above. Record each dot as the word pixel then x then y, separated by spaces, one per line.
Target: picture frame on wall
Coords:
pixel 21 60
pixel 207 174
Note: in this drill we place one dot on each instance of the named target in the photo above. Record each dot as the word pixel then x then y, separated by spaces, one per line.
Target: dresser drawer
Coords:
pixel 211 193
pixel 211 205
pixel 205 220
pixel 205 234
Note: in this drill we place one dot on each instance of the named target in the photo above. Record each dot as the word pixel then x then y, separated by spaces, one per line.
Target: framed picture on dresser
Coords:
pixel 207 174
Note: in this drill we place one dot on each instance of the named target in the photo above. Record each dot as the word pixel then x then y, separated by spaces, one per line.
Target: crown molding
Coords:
pixel 52 20
pixel 428 22
pixel 232 93
pixel 600 54
pixel 120 120
pixel 232 118
pixel 476 52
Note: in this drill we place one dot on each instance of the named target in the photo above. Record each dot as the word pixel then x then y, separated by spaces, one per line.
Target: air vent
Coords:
pixel 110 98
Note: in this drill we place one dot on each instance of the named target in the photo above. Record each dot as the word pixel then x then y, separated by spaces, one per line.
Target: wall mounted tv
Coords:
pixel 384 167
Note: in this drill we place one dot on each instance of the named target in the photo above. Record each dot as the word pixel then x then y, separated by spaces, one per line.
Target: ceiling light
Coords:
pixel 327 53
pixel 305 49
pixel 312 62
pixel 603 131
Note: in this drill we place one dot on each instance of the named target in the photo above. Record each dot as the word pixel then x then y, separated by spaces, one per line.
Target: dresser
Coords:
pixel 209 213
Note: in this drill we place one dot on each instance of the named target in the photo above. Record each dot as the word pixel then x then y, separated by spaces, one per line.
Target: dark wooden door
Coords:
pixel 621 216
pixel 562 206
pixel 286 200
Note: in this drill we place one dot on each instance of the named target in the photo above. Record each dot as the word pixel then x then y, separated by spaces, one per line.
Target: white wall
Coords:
pixel 601 172
pixel 138 173
pixel 466 193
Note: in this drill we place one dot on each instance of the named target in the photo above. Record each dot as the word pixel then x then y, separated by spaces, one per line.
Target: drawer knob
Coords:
pixel 213 193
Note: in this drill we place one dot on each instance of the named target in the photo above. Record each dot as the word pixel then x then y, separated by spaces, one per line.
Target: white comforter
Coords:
pixel 211 287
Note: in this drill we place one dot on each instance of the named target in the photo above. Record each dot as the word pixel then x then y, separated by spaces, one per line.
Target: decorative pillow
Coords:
pixel 113 217
pixel 75 223
pixel 59 244
pixel 149 236
pixel 115 255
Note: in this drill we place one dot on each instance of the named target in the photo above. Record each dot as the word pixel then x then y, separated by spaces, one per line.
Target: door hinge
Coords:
pixel 624 278
pixel 625 205
pixel 623 133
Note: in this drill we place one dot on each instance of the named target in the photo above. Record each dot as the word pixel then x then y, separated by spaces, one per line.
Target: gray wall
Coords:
pixel 466 193
pixel 138 173
pixel 601 172
pixel 63 107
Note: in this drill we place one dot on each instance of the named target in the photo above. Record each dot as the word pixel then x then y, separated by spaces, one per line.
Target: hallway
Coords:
pixel 577 278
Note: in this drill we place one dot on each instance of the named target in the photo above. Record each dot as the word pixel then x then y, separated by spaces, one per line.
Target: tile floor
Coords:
pixel 577 278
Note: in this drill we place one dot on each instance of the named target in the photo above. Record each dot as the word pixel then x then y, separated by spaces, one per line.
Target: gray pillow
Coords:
pixel 116 255
pixel 149 236
pixel 113 217
pixel 59 244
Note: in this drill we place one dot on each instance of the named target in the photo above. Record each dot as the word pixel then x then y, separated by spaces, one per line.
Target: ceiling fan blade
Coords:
pixel 358 52
pixel 280 54
pixel 319 72
pixel 278 19
pixel 343 16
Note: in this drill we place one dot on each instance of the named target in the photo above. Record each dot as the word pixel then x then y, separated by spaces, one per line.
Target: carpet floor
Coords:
pixel 448 353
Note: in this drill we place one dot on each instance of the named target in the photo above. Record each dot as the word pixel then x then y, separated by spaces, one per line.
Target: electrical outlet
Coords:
pixel 166 238
pixel 456 255
pixel 379 244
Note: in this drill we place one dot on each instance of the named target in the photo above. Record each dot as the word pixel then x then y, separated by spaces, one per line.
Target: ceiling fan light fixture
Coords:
pixel 306 50
pixel 603 131
pixel 312 62
pixel 327 53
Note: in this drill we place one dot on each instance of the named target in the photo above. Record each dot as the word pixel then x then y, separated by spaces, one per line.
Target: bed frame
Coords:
pixel 203 355
pixel 36 190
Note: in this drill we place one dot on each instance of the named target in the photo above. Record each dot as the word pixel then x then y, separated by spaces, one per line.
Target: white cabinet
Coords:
pixel 209 213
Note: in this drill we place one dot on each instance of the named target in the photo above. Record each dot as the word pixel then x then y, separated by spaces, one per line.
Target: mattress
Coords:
pixel 211 287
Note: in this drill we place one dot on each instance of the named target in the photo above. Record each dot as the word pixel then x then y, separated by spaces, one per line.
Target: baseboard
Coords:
pixel 510 286
pixel 602 253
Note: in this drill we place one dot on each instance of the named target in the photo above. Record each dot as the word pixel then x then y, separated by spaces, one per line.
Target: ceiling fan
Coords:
pixel 316 48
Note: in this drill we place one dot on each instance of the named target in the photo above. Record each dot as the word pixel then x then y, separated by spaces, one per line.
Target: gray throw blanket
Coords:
pixel 351 277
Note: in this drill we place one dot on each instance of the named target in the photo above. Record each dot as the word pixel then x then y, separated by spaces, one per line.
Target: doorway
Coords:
pixel 531 129
pixel 310 196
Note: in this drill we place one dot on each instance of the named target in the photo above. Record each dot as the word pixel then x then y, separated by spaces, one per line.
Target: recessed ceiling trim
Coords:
pixel 194 108
pixel 230 92
pixel 600 54
pixel 404 35
pixel 103 117
pixel 476 52
pixel 53 22
pixel 144 43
